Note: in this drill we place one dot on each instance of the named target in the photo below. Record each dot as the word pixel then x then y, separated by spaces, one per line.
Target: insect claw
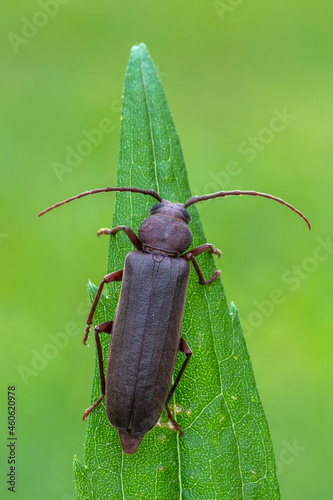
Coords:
pixel 216 275
pixel 104 230
pixel 215 251
pixel 86 335
pixel 178 428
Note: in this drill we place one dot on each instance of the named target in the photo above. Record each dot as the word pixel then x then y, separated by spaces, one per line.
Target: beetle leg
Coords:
pixel 185 348
pixel 106 328
pixel 207 247
pixel 92 407
pixel 115 276
pixel 188 256
pixel 127 230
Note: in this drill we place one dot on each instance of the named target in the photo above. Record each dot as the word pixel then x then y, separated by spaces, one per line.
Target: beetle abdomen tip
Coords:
pixel 130 442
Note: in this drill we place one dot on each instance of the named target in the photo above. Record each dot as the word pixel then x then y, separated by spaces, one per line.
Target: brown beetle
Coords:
pixel 146 331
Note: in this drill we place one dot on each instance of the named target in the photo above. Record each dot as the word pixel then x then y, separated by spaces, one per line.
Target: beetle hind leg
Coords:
pixel 174 423
pixel 105 328
pixel 184 348
pixel 92 407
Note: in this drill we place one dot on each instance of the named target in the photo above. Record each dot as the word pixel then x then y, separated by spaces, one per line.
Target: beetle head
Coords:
pixel 170 209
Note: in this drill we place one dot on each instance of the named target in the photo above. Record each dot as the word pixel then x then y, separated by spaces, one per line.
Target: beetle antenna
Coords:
pixel 150 192
pixel 221 194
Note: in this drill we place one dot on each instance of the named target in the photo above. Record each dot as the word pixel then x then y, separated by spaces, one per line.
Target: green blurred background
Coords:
pixel 228 68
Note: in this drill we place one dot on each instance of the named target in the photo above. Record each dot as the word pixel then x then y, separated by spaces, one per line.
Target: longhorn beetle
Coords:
pixel 146 331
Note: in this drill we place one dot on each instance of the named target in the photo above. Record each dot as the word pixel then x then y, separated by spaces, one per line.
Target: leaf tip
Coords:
pixel 139 46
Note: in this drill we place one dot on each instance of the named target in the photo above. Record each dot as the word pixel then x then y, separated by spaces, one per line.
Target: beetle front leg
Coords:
pixel 127 230
pixel 185 348
pixel 115 276
pixel 106 328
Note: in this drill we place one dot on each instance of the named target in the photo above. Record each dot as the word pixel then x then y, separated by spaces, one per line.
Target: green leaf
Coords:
pixel 226 451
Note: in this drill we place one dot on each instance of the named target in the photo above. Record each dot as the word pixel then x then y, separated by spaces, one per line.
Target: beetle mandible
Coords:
pixel 146 331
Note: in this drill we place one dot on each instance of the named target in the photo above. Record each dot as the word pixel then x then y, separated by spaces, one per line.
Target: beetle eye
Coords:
pixel 186 215
pixel 155 208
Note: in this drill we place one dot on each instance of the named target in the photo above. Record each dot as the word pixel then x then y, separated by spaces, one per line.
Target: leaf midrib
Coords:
pixel 150 122
pixel 158 190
